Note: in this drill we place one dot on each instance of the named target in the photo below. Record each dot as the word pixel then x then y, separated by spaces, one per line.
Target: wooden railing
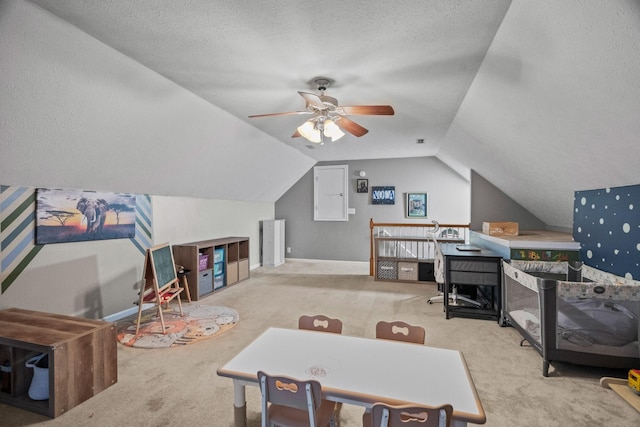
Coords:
pixel 458 232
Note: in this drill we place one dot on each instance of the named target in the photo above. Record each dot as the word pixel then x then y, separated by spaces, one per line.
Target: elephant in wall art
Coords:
pixel 94 212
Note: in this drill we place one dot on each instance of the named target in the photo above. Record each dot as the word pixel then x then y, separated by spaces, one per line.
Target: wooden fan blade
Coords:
pixel 369 110
pixel 312 99
pixel 296 134
pixel 288 113
pixel 351 126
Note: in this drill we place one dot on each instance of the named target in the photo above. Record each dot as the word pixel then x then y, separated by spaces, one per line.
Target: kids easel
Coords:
pixel 161 283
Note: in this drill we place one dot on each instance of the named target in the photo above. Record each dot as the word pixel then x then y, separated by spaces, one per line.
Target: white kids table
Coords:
pixel 358 371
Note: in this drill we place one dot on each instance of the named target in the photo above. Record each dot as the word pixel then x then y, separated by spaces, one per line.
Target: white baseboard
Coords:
pixel 124 313
pixel 327 261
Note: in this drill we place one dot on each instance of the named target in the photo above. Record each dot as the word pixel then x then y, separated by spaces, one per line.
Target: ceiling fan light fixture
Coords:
pixel 309 131
pixel 331 130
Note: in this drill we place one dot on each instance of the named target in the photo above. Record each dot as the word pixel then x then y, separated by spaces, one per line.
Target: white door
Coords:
pixel 330 195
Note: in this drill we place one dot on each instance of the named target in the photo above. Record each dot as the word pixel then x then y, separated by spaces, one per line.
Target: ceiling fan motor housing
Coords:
pixel 329 100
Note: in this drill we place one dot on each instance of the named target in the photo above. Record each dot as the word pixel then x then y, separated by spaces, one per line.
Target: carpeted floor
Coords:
pixel 200 322
pixel 179 386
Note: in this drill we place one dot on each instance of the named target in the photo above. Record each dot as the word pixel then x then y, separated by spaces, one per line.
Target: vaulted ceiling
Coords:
pixel 540 98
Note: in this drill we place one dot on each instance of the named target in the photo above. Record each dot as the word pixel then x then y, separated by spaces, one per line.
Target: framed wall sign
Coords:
pixel 383 195
pixel 362 186
pixel 416 205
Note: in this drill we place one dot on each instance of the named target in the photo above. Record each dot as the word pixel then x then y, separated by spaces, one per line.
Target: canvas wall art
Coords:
pixel 383 195
pixel 75 215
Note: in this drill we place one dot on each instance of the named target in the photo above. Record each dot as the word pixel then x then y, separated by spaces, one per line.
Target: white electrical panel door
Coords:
pixel 330 193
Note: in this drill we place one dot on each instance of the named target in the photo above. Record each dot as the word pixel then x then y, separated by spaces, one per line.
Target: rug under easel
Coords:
pixel 200 322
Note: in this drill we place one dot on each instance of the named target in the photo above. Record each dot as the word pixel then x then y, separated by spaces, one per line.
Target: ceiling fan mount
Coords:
pixel 322 83
pixel 328 116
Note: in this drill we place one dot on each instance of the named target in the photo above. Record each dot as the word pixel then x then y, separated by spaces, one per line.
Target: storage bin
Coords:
pixel 218 255
pixel 408 271
pixel 387 270
pixel 218 268
pixel 39 387
pixel 205 283
pixel 500 228
pixel 202 262
pixel 426 272
pixel 218 281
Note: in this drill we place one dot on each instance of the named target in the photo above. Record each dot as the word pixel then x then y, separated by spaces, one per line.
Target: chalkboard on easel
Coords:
pixel 159 278
pixel 163 269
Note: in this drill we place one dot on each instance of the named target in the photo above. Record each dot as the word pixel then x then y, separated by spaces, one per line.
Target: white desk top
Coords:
pixel 362 369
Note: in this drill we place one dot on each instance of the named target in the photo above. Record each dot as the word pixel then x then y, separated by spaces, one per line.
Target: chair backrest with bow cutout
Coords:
pixel 400 331
pixel 290 392
pixel 383 415
pixel 320 322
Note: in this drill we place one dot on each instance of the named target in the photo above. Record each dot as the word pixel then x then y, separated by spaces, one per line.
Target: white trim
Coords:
pixel 124 313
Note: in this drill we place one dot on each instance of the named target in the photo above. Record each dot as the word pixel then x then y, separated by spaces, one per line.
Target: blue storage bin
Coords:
pixel 218 268
pixel 218 255
pixel 206 283
pixel 218 281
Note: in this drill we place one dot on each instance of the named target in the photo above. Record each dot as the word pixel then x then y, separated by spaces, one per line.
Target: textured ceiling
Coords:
pixel 540 98
pixel 249 57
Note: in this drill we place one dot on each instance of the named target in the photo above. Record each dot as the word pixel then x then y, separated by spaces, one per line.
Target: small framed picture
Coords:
pixel 416 205
pixel 362 186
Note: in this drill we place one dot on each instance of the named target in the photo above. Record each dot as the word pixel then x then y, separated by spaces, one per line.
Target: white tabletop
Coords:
pixel 363 370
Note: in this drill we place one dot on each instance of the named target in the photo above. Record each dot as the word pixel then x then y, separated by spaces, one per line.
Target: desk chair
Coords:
pixel 400 331
pixel 438 270
pixel 320 322
pixel 383 415
pixel 288 402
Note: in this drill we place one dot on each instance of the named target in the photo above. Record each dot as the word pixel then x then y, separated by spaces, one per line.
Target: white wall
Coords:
pixel 95 279
pixel 77 114
pixel 182 220
pixel 554 107
pixel 87 279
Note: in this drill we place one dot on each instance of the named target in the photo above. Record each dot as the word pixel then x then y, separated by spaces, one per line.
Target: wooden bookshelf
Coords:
pixel 227 263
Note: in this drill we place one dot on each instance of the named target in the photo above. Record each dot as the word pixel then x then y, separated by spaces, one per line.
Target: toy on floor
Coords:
pixel 634 380
pixel 625 388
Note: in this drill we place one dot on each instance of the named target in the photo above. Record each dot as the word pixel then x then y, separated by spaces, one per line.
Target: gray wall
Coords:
pixel 449 196
pixel 489 204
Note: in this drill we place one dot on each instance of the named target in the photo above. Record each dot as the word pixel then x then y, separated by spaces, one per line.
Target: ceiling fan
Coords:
pixel 328 118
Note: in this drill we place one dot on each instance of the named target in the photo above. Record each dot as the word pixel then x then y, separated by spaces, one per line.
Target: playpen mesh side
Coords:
pixel 521 300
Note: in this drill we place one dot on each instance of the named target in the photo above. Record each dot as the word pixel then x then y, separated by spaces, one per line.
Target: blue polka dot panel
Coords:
pixel 606 222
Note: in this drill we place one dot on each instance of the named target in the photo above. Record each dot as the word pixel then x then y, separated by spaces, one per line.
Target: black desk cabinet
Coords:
pixel 478 272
